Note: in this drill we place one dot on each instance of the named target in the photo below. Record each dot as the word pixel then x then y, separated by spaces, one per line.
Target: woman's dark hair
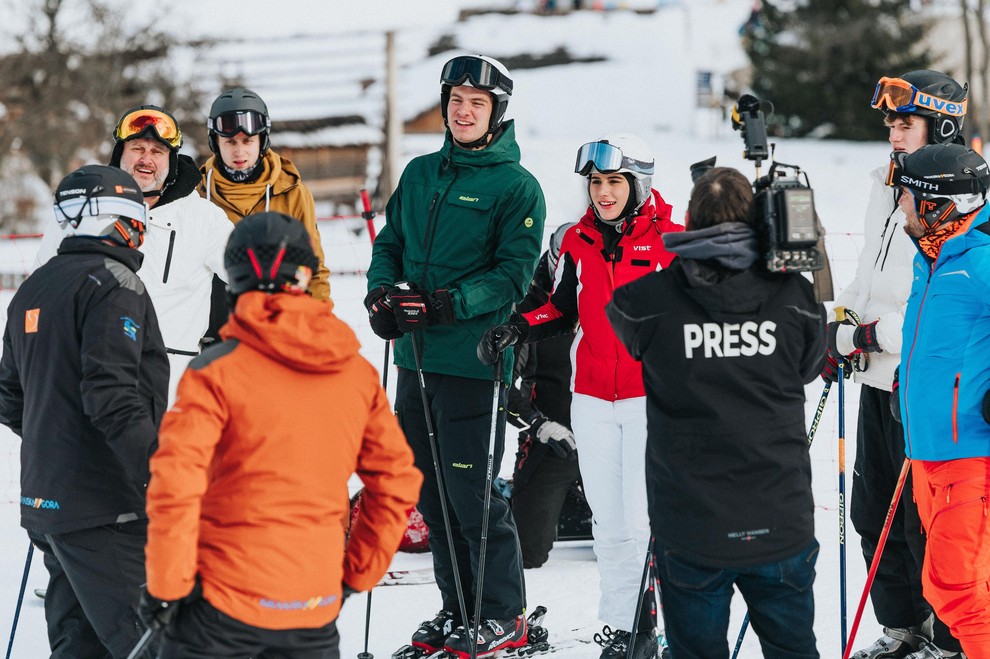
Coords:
pixel 721 195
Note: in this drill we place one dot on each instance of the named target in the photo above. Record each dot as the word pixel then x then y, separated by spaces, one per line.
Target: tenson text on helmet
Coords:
pixel 938 105
pixel 730 339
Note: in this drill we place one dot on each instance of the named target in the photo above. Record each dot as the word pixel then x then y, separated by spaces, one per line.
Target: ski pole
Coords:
pixel 742 633
pixel 842 502
pixel 20 597
pixel 440 480
pixel 145 640
pixel 489 476
pixel 368 214
pixel 818 413
pixel 630 651
pixel 875 563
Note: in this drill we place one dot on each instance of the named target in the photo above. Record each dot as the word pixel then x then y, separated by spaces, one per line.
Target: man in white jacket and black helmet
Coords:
pixel 870 341
pixel 186 235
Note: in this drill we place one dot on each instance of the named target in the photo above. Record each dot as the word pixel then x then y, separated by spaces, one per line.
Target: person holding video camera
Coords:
pixel 618 240
pixel 877 296
pixel 726 348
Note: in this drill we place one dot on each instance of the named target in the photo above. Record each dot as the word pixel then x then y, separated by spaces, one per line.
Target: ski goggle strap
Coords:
pixel 607 158
pixel 140 121
pixel 482 74
pixel 901 96
pixel 75 209
pixel 249 122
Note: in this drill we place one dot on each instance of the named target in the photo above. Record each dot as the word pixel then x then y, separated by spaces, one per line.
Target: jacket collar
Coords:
pixel 88 245
pixel 501 150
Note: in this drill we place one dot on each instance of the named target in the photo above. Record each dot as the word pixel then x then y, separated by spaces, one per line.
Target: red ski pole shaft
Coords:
pixel 368 214
pixel 876 555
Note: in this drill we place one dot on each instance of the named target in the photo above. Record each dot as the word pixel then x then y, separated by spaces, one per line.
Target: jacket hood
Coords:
pixel 732 245
pixel 502 149
pixel 729 296
pixel 186 179
pixel 295 330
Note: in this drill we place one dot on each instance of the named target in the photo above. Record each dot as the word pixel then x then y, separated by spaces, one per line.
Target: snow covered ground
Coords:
pixel 647 87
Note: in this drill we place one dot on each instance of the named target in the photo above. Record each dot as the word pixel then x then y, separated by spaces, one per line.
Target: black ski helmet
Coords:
pixel 269 252
pixel 946 180
pixel 942 101
pixel 239 110
pixel 481 72
pixel 99 201
pixel 149 122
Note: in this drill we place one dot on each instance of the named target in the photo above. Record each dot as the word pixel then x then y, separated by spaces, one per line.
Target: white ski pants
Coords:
pixel 611 443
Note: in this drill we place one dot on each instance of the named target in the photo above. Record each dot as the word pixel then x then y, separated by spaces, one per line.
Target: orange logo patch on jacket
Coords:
pixel 31 320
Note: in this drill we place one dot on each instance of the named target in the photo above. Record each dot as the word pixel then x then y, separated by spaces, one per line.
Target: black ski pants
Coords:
pixel 896 590
pixel 94 583
pixel 461 411
pixel 201 631
pixel 539 487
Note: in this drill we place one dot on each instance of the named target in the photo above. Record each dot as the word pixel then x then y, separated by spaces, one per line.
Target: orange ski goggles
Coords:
pixel 901 96
pixel 149 121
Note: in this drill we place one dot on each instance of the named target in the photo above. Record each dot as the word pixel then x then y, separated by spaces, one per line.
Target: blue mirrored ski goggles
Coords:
pixel 607 158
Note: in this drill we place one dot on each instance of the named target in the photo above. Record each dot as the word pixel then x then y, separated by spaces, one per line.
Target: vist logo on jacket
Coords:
pixel 730 339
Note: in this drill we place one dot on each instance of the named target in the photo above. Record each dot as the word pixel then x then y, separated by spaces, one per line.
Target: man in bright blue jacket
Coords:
pixel 945 380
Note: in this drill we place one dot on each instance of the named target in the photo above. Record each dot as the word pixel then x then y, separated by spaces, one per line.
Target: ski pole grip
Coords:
pixel 840 314
pixel 499 361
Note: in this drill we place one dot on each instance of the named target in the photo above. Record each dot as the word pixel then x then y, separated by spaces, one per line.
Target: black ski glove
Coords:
pixel 865 338
pixel 380 314
pixel 555 435
pixel 157 613
pixel 500 337
pixel 416 308
pixel 830 371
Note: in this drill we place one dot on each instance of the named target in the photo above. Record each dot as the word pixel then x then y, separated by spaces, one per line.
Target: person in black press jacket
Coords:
pixel 726 349
pixel 84 382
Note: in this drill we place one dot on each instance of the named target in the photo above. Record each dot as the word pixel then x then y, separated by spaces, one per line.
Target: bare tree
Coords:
pixel 69 79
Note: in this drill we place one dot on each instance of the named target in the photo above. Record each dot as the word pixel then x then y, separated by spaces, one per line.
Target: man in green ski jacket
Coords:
pixel 464 232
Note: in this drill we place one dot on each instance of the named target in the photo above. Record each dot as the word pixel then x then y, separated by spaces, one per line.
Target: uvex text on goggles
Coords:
pixel 901 96
pixel 141 121
pixel 607 158
pixel 482 74
pixel 248 122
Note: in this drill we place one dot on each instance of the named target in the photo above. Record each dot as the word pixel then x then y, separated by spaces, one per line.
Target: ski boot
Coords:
pixel 897 643
pixel 493 635
pixel 615 644
pixel 930 651
pixel 429 638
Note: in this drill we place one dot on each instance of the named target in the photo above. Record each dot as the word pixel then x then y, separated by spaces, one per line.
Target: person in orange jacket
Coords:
pixel 248 493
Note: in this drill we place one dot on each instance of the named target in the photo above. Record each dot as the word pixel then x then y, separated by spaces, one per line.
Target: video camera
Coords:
pixel 784 201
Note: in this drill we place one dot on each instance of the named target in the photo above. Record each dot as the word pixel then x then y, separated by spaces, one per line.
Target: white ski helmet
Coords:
pixel 623 153
pixel 556 240
pixel 480 72
pixel 99 201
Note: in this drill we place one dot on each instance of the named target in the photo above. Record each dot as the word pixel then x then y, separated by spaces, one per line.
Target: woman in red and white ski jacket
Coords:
pixel 617 241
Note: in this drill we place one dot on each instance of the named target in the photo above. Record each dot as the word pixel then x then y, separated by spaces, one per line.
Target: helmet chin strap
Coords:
pixel 481 141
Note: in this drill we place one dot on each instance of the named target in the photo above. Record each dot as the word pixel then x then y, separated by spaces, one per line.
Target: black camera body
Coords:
pixel 785 203
pixel 785 217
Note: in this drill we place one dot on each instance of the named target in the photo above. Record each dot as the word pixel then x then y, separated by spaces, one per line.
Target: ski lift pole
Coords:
pixel 368 214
